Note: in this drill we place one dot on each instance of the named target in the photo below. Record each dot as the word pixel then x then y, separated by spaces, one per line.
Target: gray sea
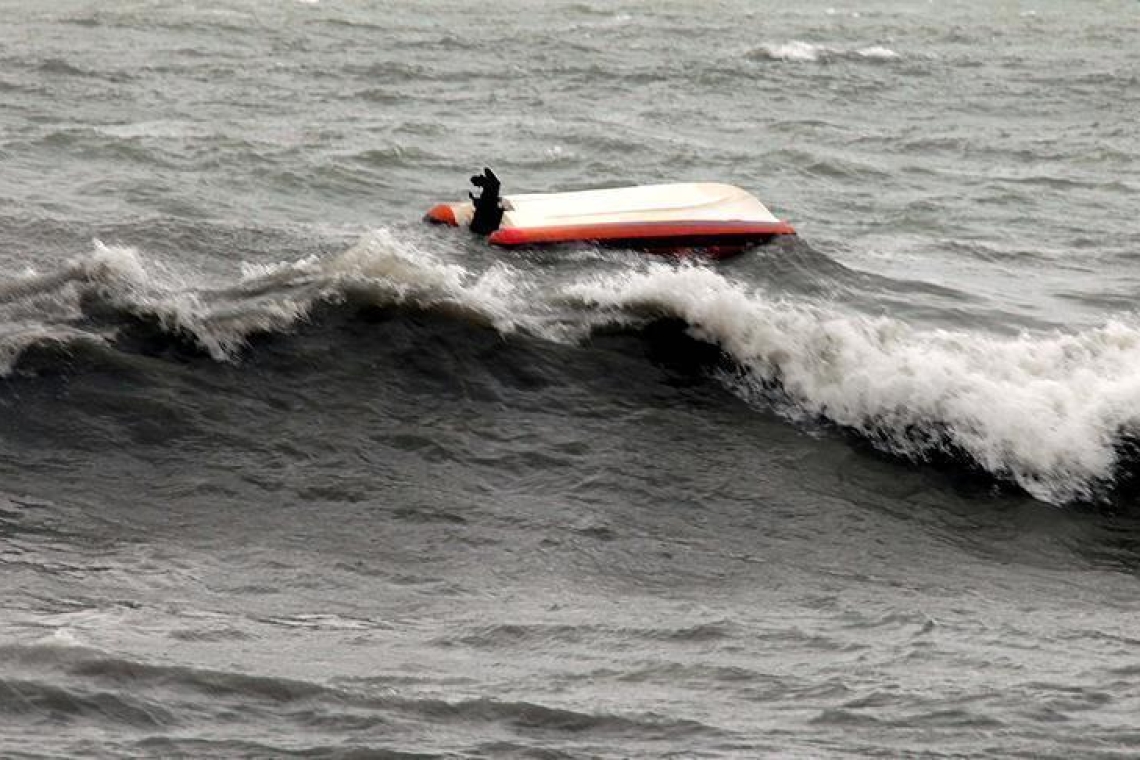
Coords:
pixel 285 472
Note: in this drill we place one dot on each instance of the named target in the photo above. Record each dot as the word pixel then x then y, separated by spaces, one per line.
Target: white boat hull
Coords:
pixel 657 217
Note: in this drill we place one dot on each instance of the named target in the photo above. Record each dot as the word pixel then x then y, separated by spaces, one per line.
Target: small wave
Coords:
pixel 878 52
pixel 798 51
pixel 599 16
pixel 392 156
pixel 388 72
pixel 1047 411
pixel 512 634
pixel 790 51
pixel 557 153
pixel 17 340
pixel 88 666
pixel 590 9
pixel 95 298
pixel 183 746
pixel 65 68
pixel 86 20
pixel 60 66
pixel 66 654
pixel 21 697
pixel 162 129
pixel 532 716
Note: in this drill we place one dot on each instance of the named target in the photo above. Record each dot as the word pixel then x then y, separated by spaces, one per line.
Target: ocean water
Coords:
pixel 285 472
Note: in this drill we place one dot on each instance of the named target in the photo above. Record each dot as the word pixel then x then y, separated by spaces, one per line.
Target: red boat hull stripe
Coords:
pixel 645 232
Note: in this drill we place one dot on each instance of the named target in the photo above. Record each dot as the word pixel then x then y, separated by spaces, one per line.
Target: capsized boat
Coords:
pixel 708 217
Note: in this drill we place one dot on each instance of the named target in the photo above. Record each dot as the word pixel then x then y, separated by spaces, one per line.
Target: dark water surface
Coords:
pixel 284 472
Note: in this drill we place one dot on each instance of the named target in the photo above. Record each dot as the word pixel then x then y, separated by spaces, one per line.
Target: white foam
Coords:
pixel 118 275
pixel 558 153
pixel 63 638
pixel 792 51
pixel 396 271
pixel 275 297
pixel 159 129
pixel 1043 410
pixel 114 265
pixel 37 308
pixel 798 51
pixel 878 52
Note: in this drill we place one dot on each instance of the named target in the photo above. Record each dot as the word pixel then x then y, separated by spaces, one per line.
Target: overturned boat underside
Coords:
pixel 717 218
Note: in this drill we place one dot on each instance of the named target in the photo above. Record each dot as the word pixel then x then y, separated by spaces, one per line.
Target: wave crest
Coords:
pixel 798 51
pixel 95 296
pixel 1046 411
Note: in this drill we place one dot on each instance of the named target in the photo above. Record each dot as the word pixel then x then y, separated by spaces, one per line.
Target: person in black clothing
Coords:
pixel 488 209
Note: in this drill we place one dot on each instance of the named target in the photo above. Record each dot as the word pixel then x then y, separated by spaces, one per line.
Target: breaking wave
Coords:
pixel 1047 411
pixel 90 299
pixel 798 51
pixel 1050 412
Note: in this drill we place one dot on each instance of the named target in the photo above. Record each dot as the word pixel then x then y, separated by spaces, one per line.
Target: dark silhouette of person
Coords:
pixel 488 209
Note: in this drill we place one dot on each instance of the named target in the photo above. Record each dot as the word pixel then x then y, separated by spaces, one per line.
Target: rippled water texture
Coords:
pixel 285 472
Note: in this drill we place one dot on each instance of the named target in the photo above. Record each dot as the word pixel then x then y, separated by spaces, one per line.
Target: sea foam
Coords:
pixel 798 51
pixel 220 317
pixel 1043 410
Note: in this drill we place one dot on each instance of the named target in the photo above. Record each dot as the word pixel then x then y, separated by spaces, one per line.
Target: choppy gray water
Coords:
pixel 284 472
